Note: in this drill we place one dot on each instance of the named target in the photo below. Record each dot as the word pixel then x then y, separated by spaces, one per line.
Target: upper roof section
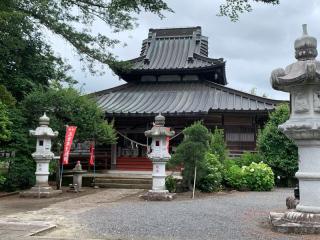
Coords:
pixel 175 51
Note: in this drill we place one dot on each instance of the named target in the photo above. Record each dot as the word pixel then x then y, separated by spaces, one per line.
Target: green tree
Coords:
pixel 4 123
pixel 21 165
pixel 233 8
pixel 73 21
pixel 279 152
pixel 191 152
pixel 218 145
pixel 212 174
pixel 63 106
pixel 26 61
pixel 66 106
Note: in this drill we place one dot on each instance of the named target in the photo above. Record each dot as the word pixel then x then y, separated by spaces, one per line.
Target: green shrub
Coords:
pixel 233 176
pixel 247 158
pixel 212 168
pixel 217 144
pixel 191 152
pixel 279 152
pixel 21 174
pixel 258 176
pixel 255 177
pixel 2 181
pixel 171 184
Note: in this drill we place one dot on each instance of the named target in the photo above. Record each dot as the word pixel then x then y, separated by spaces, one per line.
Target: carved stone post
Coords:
pixel 302 80
pixel 42 156
pixel 159 156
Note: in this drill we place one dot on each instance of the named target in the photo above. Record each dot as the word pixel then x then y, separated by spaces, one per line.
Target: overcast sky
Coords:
pixel 260 42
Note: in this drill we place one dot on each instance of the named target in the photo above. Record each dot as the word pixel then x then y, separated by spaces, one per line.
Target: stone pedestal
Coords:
pixel 77 178
pixel 302 80
pixel 159 156
pixel 42 156
pixel 159 176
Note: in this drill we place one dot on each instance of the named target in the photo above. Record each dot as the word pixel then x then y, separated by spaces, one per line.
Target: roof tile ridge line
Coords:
pixel 166 63
pixel 220 99
pixel 165 53
pixel 202 98
pixel 125 104
pixel 149 49
pixel 192 46
pixel 214 60
pixel 175 60
pixel 174 52
pixel 245 93
pixel 157 57
pixel 193 94
pixel 110 90
pixel 177 100
pixel 184 45
pixel 157 105
pixel 143 104
pixel 161 109
pixel 138 100
pixel 171 28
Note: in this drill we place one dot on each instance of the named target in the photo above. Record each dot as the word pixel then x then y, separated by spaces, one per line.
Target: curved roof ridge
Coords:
pixel 256 97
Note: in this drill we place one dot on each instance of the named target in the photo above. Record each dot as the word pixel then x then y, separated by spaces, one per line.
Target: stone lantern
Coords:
pixel 42 156
pixel 159 156
pixel 302 80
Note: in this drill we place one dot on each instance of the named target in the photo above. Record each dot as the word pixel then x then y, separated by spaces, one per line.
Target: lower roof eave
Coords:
pixel 193 114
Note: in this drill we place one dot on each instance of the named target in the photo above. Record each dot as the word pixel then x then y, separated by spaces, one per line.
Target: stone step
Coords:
pixel 124 186
pixel 125 180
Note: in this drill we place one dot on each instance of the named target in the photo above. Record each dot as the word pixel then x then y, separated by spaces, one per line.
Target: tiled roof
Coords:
pixel 178 98
pixel 175 48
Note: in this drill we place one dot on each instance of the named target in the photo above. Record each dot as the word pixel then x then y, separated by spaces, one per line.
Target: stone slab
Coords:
pixel 40 192
pixel 158 196
pixel 299 223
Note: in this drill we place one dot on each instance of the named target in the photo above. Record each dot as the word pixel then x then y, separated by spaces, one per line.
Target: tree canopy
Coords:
pixel 192 150
pixel 73 21
pixel 67 106
pixel 4 123
pixel 279 152
pixel 26 62
pixel 234 8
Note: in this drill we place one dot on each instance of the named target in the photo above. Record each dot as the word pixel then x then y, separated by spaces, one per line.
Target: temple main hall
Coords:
pixel 174 76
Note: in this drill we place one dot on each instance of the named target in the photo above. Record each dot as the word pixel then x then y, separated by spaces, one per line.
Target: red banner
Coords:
pixel 70 132
pixel 91 161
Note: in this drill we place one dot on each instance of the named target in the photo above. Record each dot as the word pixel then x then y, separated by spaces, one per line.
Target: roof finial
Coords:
pixel 305 29
pixel 305 46
pixel 44 120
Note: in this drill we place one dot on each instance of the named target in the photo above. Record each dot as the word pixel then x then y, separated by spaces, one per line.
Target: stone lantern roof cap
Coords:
pixel 43 130
pixel 159 120
pixel 159 129
pixel 305 46
pixel 44 120
pixel 305 71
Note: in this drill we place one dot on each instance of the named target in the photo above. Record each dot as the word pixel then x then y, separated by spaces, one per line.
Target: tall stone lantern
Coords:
pixel 159 156
pixel 302 80
pixel 42 156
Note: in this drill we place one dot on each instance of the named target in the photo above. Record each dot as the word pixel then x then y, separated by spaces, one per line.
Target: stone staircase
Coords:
pixel 124 182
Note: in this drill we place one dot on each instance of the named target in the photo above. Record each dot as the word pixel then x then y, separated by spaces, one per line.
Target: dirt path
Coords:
pixel 61 213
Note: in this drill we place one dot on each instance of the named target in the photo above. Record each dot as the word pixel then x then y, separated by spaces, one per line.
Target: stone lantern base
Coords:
pixel 162 195
pixel 40 192
pixel 295 222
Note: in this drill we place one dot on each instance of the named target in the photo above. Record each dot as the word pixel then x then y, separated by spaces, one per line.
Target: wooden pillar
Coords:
pixel 113 156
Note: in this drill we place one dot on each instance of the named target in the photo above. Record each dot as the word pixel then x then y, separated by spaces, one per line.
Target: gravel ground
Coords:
pixel 239 215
